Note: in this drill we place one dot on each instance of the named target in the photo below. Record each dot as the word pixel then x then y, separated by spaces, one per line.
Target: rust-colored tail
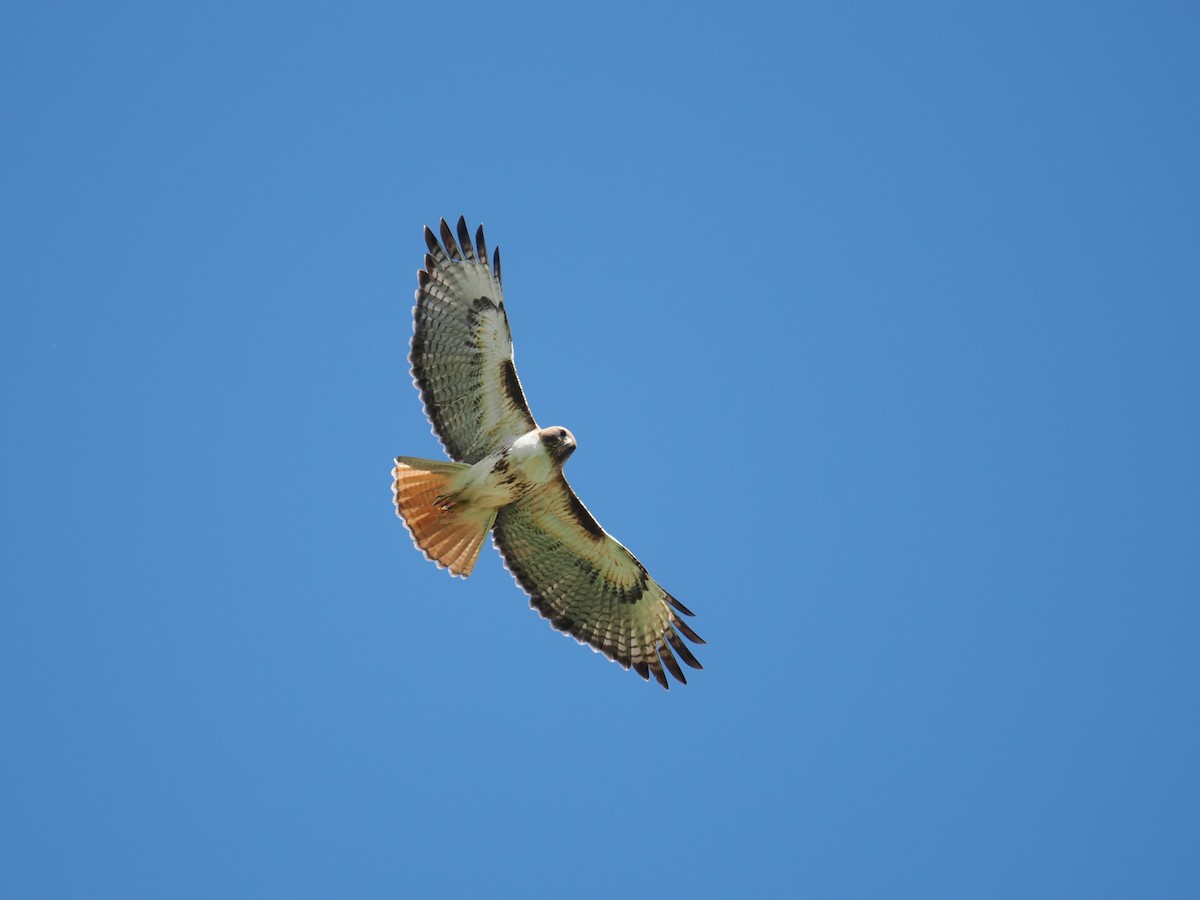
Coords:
pixel 448 532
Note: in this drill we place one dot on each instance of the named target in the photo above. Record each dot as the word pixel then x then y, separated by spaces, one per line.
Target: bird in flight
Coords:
pixel 506 476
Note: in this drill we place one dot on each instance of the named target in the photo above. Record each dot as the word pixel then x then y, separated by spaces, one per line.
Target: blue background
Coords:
pixel 878 327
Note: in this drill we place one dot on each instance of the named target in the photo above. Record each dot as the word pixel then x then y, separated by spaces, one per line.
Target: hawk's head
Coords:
pixel 559 443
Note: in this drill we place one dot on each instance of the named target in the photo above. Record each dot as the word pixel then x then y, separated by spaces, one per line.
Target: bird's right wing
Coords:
pixel 462 354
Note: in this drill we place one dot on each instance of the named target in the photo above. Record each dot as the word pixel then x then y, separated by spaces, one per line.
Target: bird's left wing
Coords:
pixel 462 354
pixel 589 586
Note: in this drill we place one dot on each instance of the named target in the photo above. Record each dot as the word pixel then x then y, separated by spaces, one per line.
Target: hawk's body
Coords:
pixel 507 475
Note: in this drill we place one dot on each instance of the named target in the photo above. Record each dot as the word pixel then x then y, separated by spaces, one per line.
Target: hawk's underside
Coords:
pixel 506 475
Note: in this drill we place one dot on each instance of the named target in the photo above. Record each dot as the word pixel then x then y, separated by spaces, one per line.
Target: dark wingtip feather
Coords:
pixel 449 242
pixel 657 670
pixel 464 239
pixel 686 629
pixel 642 669
pixel 681 648
pixel 496 264
pixel 664 653
pixel 480 246
pixel 430 241
pixel 679 606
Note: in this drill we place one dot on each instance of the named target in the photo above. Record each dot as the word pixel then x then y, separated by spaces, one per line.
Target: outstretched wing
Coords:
pixel 589 586
pixel 462 355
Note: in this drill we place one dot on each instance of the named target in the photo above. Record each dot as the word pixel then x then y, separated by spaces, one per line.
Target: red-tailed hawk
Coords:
pixel 507 476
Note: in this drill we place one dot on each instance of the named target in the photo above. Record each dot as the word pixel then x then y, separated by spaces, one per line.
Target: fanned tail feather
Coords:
pixel 448 532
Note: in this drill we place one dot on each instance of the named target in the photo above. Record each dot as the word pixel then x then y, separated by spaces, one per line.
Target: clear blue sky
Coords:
pixel 878 326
